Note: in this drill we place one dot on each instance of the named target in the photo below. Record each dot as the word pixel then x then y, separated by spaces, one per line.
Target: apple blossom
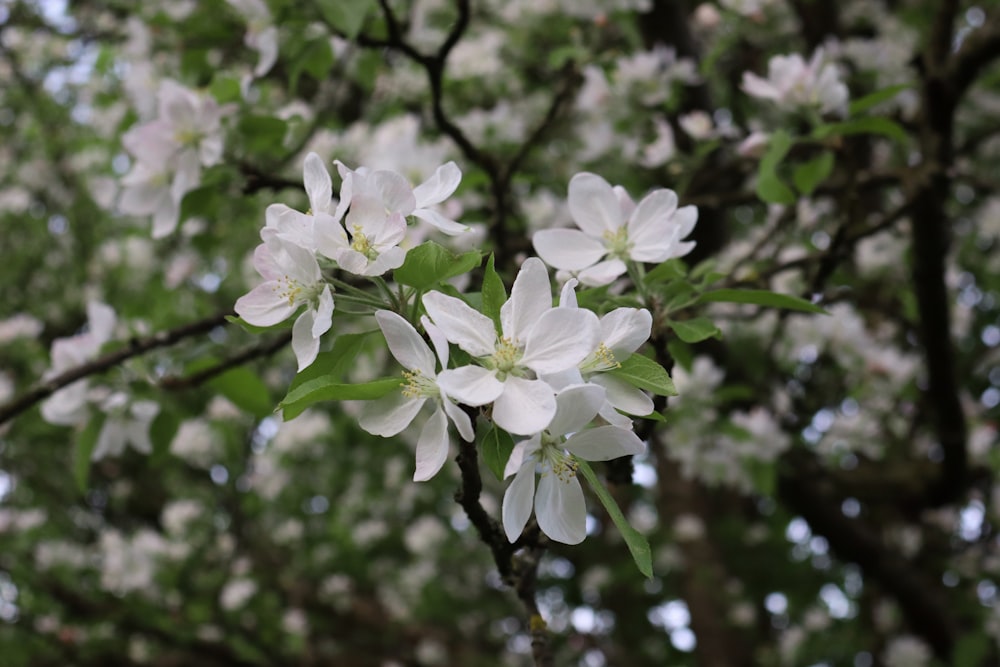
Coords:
pixel 535 339
pixel 559 503
pixel 127 422
pixel 388 416
pixel 793 83
pixel 293 279
pixel 613 229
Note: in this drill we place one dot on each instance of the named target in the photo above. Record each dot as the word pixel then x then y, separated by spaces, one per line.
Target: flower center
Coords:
pixel 601 359
pixel 418 385
pixel 555 459
pixel 296 292
pixel 362 244
pixel 617 242
pixel 505 358
pixel 187 137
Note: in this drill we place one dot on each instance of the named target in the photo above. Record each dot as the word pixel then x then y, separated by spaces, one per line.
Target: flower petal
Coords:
pixel 517 501
pixel 624 396
pixel 471 385
pixel 304 344
pixel 530 296
pixel 432 447
pixel 602 273
pixel 560 339
pixel 405 343
pixel 469 329
pixel 317 181
pixel 604 443
pixel 560 509
pixel 324 313
pixel 568 249
pixel 263 306
pixel 623 330
pixel 525 407
pixel 443 224
pixel 389 415
pixel 461 420
pixel 576 407
pixel 594 205
pixel 441 185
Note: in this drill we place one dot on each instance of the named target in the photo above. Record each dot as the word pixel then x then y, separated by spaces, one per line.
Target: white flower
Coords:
pixel 293 279
pixel 615 229
pixel 261 35
pixel 622 332
pixel 559 504
pixel 791 82
pixel 536 338
pixel 387 417
pixel 397 196
pixel 324 214
pixel 373 248
pixel 126 423
pixel 68 406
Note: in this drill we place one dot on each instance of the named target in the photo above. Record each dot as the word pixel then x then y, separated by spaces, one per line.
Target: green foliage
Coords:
pixel 325 389
pixel 494 293
pixel 807 176
pixel 761 298
pixel 429 264
pixel 695 329
pixel 86 441
pixel 346 16
pixel 496 447
pixel 770 187
pixel 644 373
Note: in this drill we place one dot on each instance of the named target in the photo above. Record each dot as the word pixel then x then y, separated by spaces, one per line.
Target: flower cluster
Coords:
pixel 169 153
pixel 361 233
pixel 792 83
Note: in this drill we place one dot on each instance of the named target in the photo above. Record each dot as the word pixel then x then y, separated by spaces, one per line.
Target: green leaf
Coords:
pixel 809 175
pixel 161 433
pixel 327 389
pixel 677 295
pixel 245 389
pixel 763 476
pixel 874 99
pixel 497 446
pixel 761 297
pixel 681 353
pixel 637 544
pixel 346 16
pixel 429 263
pixel 695 330
pixel 225 88
pixel 971 650
pixel 85 444
pixel 672 269
pixel 494 293
pixel 343 355
pixel 264 135
pixel 254 329
pixel 770 187
pixel 864 125
pixel 644 373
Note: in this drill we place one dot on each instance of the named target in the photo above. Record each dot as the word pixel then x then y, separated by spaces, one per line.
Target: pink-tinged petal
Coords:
pixel 324 313
pixel 317 182
pixel 438 187
pixel 391 232
pixel 625 201
pixel 304 344
pixel 575 408
pixel 263 260
pixel 594 205
pixel 604 443
pixel 352 261
pixel 405 343
pixel 624 396
pixel 560 339
pixel 329 236
pixel 294 261
pixel 654 211
pixel 525 407
pixel 470 385
pixel 623 330
pixel 522 451
pixel 291 225
pixel 530 297
pixel 437 339
pixel 567 298
pixel 568 249
pixel 602 273
pixel 389 259
pixel 389 415
pixel 394 191
pixel 755 86
pixel 560 509
pixel 460 419
pixel 461 324
pixel 443 224
pixel 517 501
pixel 432 447
pixel 263 306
